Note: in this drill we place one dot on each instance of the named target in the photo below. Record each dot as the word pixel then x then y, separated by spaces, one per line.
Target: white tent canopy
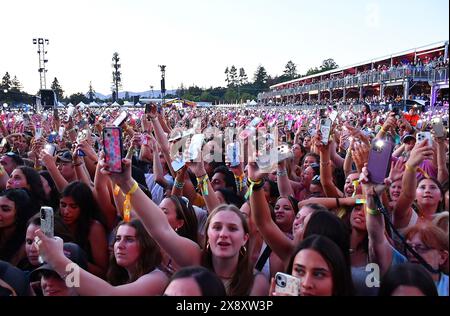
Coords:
pixel 252 102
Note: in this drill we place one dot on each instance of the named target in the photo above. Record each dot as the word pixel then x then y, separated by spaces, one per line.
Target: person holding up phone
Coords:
pixel 133 267
pixel 225 251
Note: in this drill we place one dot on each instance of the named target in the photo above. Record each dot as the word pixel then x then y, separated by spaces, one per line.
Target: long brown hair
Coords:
pixel 149 259
pixel 242 279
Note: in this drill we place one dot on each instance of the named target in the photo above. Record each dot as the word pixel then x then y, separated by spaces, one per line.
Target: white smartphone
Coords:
pixel 287 284
pixel 38 132
pixel 50 149
pixel 61 133
pixel 325 129
pixel 47 221
pixel 195 146
pixel 438 127
pixel 283 152
pixel 120 119
pixel 421 136
pixel 178 163
pixel 333 116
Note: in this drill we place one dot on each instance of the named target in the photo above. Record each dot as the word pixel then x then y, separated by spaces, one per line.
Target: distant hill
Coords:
pixel 144 94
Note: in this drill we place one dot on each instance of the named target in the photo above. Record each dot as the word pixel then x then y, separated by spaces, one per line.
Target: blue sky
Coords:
pixel 198 39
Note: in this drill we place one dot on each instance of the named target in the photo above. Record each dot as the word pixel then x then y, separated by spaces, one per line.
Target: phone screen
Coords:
pixel 120 119
pixel 112 146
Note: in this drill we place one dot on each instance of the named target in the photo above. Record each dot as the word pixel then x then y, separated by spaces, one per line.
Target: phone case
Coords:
pixel 421 136
pixel 47 221
pixel 438 127
pixel 112 146
pixel 287 284
pixel 120 119
pixel 50 149
pixel 325 129
pixel 177 164
pixel 283 152
pixel 379 160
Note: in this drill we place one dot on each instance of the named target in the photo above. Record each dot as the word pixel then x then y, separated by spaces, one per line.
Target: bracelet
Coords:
pixel 77 164
pixel 127 202
pixel 282 173
pixel 253 186
pixel 338 205
pixel 326 163
pixel 178 185
pixel 410 169
pixel 203 184
pixel 372 212
pixel 360 201
pixel 382 130
pixel 37 168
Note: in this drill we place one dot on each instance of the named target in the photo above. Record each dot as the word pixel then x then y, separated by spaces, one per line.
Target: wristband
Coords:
pixel 360 201
pixel 253 186
pixel 203 184
pixel 410 169
pixel 178 185
pixel 372 211
pixel 282 173
pixel 127 202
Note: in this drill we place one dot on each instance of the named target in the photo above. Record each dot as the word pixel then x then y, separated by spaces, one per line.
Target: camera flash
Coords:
pixel 379 143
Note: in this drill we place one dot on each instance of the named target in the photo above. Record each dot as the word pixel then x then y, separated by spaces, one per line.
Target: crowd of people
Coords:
pixel 271 190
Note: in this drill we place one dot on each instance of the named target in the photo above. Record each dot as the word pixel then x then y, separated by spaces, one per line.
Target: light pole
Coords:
pixel 151 89
pixel 41 42
pixel 163 82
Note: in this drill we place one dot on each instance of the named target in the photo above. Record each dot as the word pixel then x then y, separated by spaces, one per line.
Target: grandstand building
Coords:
pixel 422 71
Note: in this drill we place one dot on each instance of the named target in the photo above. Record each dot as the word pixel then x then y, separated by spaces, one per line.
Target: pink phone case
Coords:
pixel 112 146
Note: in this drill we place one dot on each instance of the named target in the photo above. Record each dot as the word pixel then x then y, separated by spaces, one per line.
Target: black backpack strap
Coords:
pixel 263 258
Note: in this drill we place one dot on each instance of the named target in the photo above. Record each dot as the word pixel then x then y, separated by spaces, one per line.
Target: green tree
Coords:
pixel 181 91
pixel 77 98
pixel 290 70
pixel 56 87
pixel 6 82
pixel 243 78
pixel 233 76
pixel 127 96
pixel 227 78
pixel 231 95
pixel 260 78
pixel 328 64
pixel 313 71
pixel 16 86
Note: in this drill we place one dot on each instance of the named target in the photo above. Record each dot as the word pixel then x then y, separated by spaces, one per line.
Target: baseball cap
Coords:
pixel 64 156
pixel 407 137
pixel 13 281
pixel 15 157
pixel 71 251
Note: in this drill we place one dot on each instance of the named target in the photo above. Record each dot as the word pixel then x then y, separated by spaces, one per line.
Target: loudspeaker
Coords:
pixel 163 86
pixel 47 98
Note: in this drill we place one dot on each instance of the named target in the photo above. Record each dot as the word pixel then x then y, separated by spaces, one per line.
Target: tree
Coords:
pixel 117 75
pixel 181 91
pixel 290 70
pixel 328 64
pixel 16 86
pixel 56 87
pixel 91 92
pixel 227 74
pixel 234 81
pixel 243 79
pixel 6 82
pixel 77 98
pixel 231 95
pixel 261 78
pixel 313 71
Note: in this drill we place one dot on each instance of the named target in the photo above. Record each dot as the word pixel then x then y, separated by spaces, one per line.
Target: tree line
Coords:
pixel 238 86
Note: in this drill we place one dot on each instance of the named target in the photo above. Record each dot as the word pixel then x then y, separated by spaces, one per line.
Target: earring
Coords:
pixel 243 251
pixel 207 246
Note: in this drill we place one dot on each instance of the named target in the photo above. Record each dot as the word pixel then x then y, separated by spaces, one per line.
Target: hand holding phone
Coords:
pixel 438 127
pixel 422 136
pixel 379 160
pixel 113 148
pixel 286 284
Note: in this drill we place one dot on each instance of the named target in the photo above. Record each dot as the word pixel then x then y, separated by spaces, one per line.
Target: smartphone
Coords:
pixel 52 137
pixel 195 146
pixel 50 149
pixel 289 125
pixel 325 130
pixel 379 160
pixel 148 108
pixel 4 142
pixel 255 122
pixel 287 284
pixel 233 153
pixel 283 152
pixel 37 132
pixel 61 133
pixel 113 148
pixel 122 118
pixel 322 113
pixel 47 221
pixel 333 116
pixel 438 127
pixel 178 163
pixel 421 136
